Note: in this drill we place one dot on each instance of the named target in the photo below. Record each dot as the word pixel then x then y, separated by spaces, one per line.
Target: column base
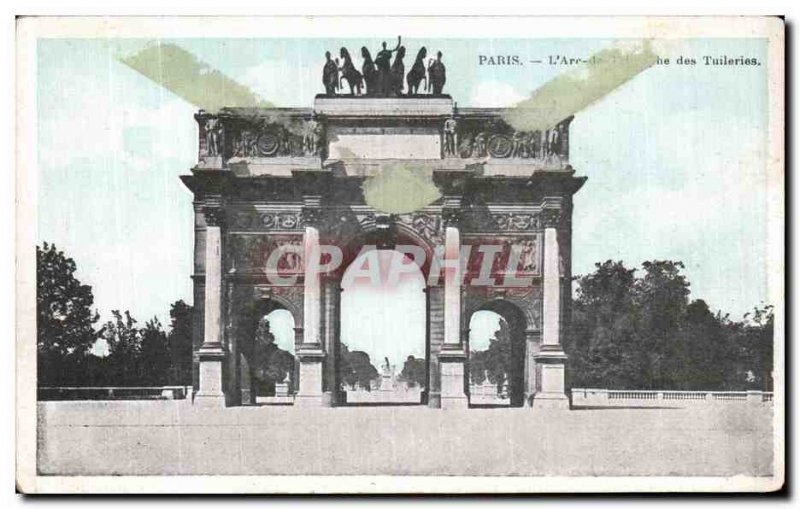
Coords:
pixel 209 400
pixel 454 402
pixel 310 400
pixel 546 400
pixel 550 393
pixel 451 368
pixel 309 393
pixel 210 392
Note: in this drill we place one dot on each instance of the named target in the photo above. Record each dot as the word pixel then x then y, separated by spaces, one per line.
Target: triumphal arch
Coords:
pixel 467 192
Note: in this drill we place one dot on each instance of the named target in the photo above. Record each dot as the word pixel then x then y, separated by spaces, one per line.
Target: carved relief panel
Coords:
pixel 491 137
pixel 249 254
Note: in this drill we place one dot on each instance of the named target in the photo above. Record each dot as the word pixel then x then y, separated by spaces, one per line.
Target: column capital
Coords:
pixel 451 209
pixel 550 217
pixel 451 217
pixel 214 215
pixel 311 216
pixel 311 212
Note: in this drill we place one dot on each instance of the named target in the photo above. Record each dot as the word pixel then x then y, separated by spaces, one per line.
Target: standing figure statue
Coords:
pixel 330 75
pixel 479 146
pixel 311 138
pixel 350 73
pixel 518 143
pixel 398 72
pixel 450 137
pixel 436 74
pixel 417 73
pixel 212 136
pixel 368 72
pixel 527 256
pixel 382 63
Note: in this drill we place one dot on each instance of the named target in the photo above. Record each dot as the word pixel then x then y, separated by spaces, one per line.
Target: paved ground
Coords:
pixel 171 437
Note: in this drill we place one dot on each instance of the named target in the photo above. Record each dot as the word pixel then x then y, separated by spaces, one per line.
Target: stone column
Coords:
pixel 435 336
pixel 310 352
pixel 330 389
pixel 550 358
pixel 211 354
pixel 453 355
pixel 532 340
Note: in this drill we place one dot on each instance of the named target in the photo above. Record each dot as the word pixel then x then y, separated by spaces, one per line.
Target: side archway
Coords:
pixel 266 333
pixel 497 354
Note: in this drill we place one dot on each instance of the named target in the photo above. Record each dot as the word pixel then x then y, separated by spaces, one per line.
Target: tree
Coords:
pixel 703 356
pixel 414 372
pixel 630 332
pixel 64 318
pixel 494 362
pixel 752 342
pixel 604 329
pixel 124 345
pixel 153 356
pixel 355 369
pixel 180 343
pixel 662 296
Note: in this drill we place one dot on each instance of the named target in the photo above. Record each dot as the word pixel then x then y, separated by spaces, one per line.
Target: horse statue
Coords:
pixel 369 72
pixel 398 72
pixel 350 73
pixel 417 73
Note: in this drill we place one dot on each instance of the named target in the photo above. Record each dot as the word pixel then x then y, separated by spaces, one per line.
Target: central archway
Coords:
pixel 382 345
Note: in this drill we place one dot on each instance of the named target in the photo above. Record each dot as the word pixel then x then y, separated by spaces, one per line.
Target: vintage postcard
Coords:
pixel 400 255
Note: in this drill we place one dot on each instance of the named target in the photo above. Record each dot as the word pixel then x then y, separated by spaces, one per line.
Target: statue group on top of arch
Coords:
pixel 383 77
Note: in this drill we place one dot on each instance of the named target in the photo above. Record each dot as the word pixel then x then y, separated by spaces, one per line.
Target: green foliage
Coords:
pixel 355 369
pixel 154 355
pixel 414 372
pixel 146 356
pixel 494 362
pixel 180 343
pixel 124 345
pixel 64 318
pixel 630 332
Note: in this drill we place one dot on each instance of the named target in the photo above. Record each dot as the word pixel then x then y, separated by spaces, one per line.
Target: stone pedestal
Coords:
pixel 386 383
pixel 210 162
pixel 452 361
pixel 550 393
pixel 210 392
pixel 309 392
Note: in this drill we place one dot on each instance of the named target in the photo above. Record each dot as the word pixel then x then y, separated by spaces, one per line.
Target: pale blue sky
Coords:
pixel 675 157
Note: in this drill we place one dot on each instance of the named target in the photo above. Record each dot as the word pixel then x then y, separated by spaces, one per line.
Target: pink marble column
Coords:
pixel 211 354
pixel 310 352
pixel 453 355
pixel 550 359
